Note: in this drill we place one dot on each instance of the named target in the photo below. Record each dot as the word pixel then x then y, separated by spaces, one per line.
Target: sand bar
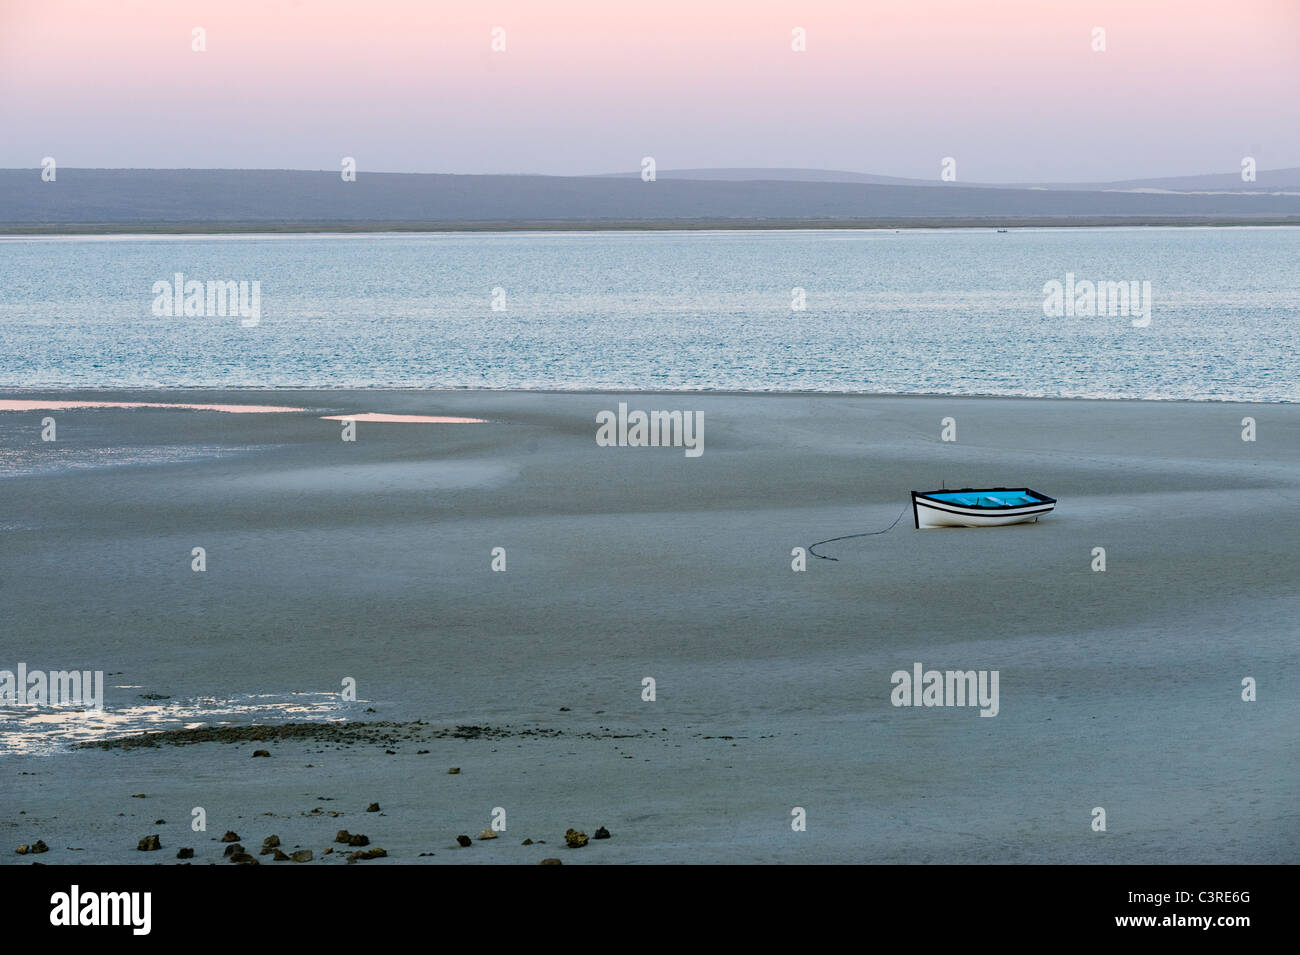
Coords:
pixel 372 560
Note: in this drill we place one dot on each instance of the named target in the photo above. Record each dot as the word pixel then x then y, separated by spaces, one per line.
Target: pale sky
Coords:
pixel 1012 89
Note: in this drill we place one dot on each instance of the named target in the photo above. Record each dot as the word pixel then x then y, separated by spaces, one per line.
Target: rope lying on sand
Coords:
pixel 851 536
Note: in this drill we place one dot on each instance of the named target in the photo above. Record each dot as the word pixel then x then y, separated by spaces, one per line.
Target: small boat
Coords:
pixel 979 507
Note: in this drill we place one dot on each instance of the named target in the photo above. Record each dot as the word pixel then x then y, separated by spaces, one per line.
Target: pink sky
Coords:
pixel 1011 89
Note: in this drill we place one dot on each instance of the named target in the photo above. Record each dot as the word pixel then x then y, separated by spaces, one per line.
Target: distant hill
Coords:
pixel 778 175
pixel 1266 180
pixel 216 199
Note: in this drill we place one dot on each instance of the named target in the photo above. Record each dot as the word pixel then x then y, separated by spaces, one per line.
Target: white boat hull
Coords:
pixel 930 512
pixel 929 515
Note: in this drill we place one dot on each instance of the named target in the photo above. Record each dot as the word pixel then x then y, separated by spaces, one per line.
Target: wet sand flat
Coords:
pixel 372 560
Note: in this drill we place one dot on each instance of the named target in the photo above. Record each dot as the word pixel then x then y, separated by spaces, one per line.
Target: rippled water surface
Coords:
pixel 957 312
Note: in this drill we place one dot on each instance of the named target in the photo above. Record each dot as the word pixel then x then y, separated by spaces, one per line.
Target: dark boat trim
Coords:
pixel 971 510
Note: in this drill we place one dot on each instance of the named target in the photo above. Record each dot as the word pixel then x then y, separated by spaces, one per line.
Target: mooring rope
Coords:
pixel 831 540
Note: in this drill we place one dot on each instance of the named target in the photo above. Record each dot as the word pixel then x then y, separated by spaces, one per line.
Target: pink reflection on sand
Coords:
pixel 402 418
pixel 6 405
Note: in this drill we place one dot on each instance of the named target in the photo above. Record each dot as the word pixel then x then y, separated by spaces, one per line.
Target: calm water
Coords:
pixel 954 312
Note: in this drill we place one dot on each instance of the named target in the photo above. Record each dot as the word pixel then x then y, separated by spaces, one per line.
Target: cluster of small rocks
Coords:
pixel 573 838
pixel 36 847
pixel 357 839
pixel 235 851
pixel 271 845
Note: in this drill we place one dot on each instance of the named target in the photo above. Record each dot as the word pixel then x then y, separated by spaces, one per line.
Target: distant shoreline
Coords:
pixel 627 225
pixel 214 200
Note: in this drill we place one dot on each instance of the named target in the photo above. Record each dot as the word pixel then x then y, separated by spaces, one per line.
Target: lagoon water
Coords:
pixel 910 312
